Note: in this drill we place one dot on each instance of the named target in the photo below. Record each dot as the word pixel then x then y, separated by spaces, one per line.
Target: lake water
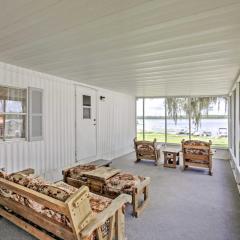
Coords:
pixel 158 125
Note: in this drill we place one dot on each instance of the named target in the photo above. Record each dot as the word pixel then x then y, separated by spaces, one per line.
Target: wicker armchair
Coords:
pixel 197 154
pixel 147 150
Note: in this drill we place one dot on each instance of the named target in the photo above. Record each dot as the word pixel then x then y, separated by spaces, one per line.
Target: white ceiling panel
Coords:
pixel 140 47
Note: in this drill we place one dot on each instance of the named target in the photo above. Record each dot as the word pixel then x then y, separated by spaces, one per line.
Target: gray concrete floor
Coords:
pixel 188 205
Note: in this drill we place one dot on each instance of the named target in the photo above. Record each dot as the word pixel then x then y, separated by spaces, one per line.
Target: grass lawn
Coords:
pixel 173 138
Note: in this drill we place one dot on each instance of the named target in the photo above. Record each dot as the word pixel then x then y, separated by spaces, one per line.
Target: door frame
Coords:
pixel 75 119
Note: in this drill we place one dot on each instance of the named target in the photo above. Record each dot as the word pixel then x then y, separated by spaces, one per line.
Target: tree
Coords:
pixel 195 107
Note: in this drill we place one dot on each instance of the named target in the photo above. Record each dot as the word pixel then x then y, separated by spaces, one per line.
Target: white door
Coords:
pixel 86 128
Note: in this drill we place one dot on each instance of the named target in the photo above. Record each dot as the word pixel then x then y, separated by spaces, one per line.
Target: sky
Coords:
pixel 156 107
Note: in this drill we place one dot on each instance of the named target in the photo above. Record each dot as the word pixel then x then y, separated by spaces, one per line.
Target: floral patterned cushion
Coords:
pixel 122 182
pixel 78 171
pixel 54 192
pixel 3 174
pixel 196 143
pixel 68 188
pixel 20 178
pixel 98 203
pixel 145 149
pixel 194 151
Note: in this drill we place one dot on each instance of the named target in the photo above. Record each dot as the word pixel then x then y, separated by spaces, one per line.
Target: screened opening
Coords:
pixel 139 118
pixel 177 119
pixel 172 119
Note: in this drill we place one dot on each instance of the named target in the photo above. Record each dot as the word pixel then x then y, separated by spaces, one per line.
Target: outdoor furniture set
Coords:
pixel 195 153
pixel 67 209
pixel 59 211
pixel 89 203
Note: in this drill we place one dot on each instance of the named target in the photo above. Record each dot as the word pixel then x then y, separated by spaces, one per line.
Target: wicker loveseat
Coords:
pixel 146 150
pixel 49 210
pixel 120 183
pixel 197 154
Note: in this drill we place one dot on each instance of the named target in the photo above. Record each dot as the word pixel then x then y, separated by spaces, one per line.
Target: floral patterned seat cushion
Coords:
pixel 26 180
pixel 54 192
pixel 3 191
pixel 193 150
pixel 3 174
pixel 122 182
pixel 98 203
pixel 145 149
pixel 78 171
pixel 196 151
pixel 196 143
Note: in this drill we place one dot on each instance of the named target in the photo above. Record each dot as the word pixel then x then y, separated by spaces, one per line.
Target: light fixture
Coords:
pixel 102 98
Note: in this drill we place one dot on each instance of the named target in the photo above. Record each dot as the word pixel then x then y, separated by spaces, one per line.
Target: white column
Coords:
pixel 237 125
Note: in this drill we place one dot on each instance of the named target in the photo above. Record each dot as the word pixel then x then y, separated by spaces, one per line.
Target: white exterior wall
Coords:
pixel 116 127
pixel 116 124
pixel 235 162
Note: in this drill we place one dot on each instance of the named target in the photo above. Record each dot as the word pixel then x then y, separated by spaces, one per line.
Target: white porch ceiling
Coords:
pixel 141 47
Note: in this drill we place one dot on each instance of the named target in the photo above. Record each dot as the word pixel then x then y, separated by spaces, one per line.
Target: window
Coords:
pixel 140 118
pixel 13 113
pixel 238 146
pixel 230 121
pixel 172 119
pixel 234 122
pixel 86 107
pixel 209 120
pixel 177 119
pixel 154 114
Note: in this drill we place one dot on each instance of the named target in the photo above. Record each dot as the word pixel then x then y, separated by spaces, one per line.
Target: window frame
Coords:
pixel 234 126
pixel 25 114
pixel 143 117
pixel 189 119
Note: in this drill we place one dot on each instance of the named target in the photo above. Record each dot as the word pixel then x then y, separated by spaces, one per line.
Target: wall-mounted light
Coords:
pixel 102 98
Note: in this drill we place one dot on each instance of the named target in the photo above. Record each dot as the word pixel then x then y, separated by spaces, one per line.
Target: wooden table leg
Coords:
pixel 174 160
pixel 165 159
pixel 134 203
pixel 139 207
pixel 120 225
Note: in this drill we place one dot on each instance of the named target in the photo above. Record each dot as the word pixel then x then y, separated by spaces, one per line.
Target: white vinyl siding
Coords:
pixel 115 116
